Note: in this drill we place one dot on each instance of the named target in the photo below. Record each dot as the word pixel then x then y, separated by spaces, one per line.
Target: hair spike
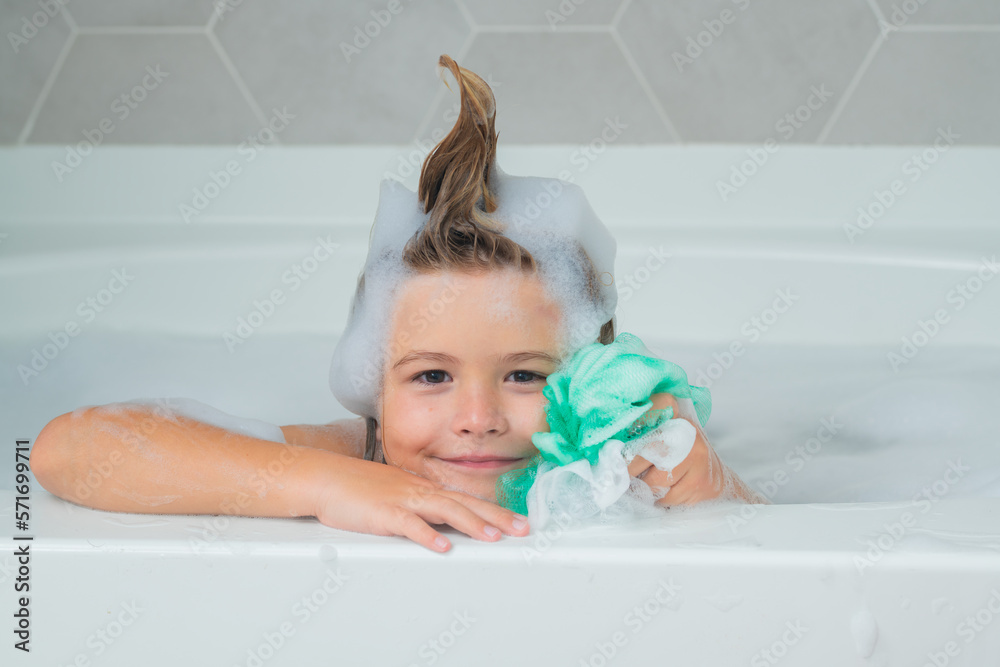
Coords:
pixel 460 234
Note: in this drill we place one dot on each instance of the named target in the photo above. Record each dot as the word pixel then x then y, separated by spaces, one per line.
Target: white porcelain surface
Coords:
pixel 734 581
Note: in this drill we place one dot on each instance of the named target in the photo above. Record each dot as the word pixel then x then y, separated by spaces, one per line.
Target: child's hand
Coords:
pixel 367 497
pixel 700 476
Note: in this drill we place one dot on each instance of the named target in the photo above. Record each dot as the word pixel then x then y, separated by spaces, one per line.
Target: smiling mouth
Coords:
pixel 488 463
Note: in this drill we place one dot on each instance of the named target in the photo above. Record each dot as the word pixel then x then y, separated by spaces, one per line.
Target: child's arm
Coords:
pixel 127 458
pixel 700 476
pixel 344 436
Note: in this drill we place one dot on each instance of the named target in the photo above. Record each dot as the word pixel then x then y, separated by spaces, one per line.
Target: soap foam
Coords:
pixel 549 217
pixel 194 409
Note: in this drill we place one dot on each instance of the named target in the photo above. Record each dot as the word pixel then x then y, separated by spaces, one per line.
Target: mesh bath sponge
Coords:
pixel 600 417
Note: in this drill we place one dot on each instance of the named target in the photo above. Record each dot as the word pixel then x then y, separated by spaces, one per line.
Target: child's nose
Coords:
pixel 480 411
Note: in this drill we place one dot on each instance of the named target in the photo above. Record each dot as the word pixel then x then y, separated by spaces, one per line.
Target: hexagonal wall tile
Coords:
pixel 924 12
pixel 923 82
pixel 736 71
pixel 33 40
pixel 354 72
pixel 553 14
pixel 559 88
pixel 141 12
pixel 146 89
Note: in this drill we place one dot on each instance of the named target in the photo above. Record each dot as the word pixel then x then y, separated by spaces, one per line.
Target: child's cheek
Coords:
pixel 541 422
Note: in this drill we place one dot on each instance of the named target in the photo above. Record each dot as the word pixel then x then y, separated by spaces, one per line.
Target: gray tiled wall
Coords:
pixel 563 71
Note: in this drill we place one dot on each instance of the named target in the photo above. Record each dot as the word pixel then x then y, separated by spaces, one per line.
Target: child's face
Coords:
pixel 466 401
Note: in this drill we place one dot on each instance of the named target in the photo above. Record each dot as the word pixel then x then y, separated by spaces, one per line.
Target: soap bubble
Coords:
pixel 550 218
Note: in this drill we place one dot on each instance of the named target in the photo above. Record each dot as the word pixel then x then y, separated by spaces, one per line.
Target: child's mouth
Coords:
pixel 484 463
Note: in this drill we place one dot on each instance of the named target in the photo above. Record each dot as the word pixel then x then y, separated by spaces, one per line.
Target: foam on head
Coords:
pixel 547 216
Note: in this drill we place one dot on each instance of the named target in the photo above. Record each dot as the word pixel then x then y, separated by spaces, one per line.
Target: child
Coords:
pixel 452 333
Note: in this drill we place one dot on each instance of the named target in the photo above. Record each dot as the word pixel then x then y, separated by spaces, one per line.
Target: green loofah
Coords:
pixel 601 393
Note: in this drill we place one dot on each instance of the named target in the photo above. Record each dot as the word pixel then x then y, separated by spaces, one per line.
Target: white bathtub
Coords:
pixel 848 566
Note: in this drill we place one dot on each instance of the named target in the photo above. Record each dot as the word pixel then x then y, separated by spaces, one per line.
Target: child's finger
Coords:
pixel 689 489
pixel 659 480
pixel 446 509
pixel 638 465
pixel 677 495
pixel 413 527
pixel 501 517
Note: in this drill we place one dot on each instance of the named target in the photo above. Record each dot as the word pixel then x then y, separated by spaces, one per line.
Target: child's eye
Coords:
pixel 418 379
pixel 438 377
pixel 531 376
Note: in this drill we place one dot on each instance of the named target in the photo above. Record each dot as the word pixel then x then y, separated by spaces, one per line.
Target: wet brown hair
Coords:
pixel 459 234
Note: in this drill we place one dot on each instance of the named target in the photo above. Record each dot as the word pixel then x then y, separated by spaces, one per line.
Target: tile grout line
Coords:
pixel 43 94
pixel 426 120
pixel 589 28
pixel 69 19
pixel 142 30
pixel 877 11
pixel 238 80
pixel 213 20
pixel 619 13
pixel 645 85
pixel 851 87
pixel 954 27
pixel 466 14
pixel 885 26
